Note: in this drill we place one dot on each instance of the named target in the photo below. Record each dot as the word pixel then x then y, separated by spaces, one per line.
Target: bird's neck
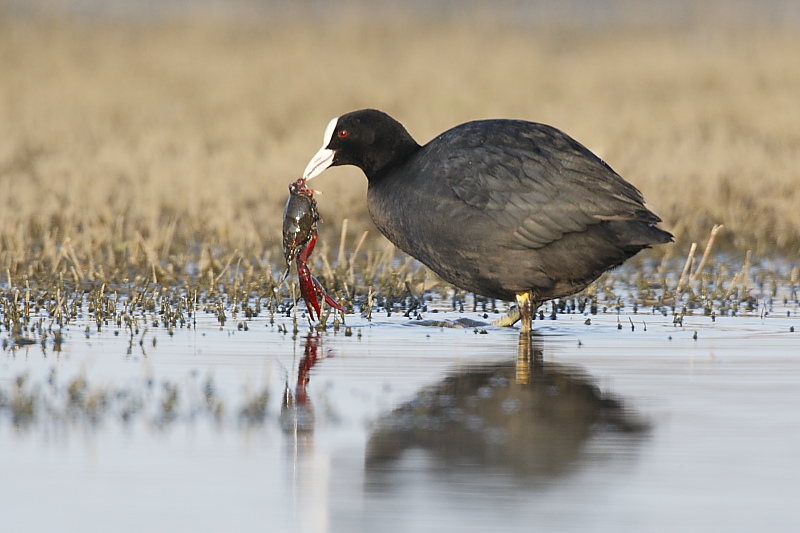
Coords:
pixel 389 155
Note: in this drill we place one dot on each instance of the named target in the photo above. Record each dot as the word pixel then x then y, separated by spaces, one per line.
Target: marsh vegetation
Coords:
pixel 144 167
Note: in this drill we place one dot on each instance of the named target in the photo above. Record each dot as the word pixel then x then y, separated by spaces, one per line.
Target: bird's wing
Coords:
pixel 539 184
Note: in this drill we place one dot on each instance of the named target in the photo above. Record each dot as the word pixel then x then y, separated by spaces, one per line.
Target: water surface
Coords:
pixel 402 427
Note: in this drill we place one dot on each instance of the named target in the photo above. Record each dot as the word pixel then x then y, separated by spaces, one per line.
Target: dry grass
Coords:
pixel 125 144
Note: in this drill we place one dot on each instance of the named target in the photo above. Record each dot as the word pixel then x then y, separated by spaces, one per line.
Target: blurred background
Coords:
pixel 577 13
pixel 180 123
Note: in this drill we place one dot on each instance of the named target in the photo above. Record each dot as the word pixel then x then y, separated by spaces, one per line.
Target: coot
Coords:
pixel 506 209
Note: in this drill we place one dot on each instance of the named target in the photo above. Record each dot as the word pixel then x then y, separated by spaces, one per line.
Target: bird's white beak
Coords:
pixel 324 157
pixel 318 163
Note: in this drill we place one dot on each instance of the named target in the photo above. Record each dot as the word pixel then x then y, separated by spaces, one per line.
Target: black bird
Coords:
pixel 507 209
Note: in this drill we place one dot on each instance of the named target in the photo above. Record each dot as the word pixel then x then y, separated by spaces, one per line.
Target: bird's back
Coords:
pixel 500 207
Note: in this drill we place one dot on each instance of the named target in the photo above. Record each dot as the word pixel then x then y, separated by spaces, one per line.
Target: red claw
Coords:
pixel 311 290
pixel 307 289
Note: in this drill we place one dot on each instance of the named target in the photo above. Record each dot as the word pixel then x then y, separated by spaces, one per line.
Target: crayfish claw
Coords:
pixel 308 290
pixel 329 300
pixel 311 290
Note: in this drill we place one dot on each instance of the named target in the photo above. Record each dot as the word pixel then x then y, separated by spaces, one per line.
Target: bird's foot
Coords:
pixel 509 319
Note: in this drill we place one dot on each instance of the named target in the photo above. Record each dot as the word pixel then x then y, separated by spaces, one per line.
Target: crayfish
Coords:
pixel 300 219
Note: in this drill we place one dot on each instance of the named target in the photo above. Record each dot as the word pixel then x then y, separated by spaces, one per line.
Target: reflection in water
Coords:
pixel 297 413
pixel 529 416
pixel 525 419
pixel 309 472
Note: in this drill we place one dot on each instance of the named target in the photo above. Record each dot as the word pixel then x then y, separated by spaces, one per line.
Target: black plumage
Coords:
pixel 501 208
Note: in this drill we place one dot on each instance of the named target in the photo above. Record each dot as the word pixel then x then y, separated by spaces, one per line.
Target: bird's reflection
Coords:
pixel 526 415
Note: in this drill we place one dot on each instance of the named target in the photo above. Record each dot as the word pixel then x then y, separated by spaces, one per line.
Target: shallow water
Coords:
pixel 408 428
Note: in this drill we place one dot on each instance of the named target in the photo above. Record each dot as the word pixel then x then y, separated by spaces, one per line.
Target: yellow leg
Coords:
pixel 525 304
pixel 506 321
pixel 526 307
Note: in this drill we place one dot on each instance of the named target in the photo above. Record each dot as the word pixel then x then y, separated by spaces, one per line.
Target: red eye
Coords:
pixel 342 134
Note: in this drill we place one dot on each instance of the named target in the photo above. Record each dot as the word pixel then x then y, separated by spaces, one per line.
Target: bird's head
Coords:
pixel 369 139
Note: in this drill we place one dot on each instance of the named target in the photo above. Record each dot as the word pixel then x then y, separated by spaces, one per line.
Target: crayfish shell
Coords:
pixel 300 219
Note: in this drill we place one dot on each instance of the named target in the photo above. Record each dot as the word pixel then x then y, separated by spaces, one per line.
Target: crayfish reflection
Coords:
pixel 528 416
pixel 297 412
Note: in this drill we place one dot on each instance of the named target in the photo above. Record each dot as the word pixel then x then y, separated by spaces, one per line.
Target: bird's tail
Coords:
pixel 639 233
